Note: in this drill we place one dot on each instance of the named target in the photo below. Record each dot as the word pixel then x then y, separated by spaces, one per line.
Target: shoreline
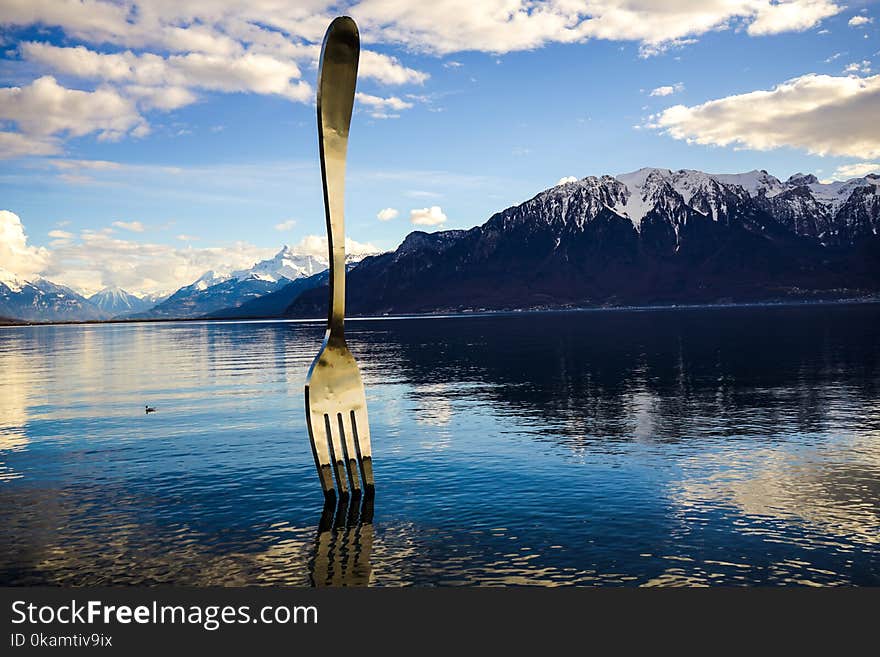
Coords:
pixel 451 314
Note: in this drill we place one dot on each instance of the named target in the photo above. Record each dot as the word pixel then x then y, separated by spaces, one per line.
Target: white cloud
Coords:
pixel 45 108
pixel 652 49
pixel 381 108
pixel 822 114
pixel 791 16
pixel 96 165
pixel 387 69
pixel 86 19
pixel 165 52
pixel 74 171
pixel 133 226
pixel 80 61
pixel 859 21
pixel 98 259
pixel 286 225
pixel 500 26
pixel 161 98
pixel 257 73
pixel 15 144
pixel 76 178
pixel 856 170
pixel 863 66
pixel 432 216
pixel 165 81
pixel 15 254
pixel 294 29
pixel 183 237
pixel 387 214
pixel 565 180
pixel 667 90
pixel 316 245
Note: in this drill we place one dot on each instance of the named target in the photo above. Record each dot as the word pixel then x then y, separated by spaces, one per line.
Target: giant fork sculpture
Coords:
pixel 336 408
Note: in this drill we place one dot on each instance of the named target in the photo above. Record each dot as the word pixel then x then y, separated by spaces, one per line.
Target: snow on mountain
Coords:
pixel 10 280
pixel 43 300
pixel 834 212
pixel 836 193
pixel 206 280
pixel 643 187
pixel 213 292
pixel 116 301
pixel 284 264
pixel 755 182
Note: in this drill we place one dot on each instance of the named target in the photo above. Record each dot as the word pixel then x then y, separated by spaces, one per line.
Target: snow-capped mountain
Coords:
pixel 284 264
pixel 43 300
pixel 116 301
pixel 274 303
pixel 834 212
pixel 652 235
pixel 203 282
pixel 213 292
pixel 10 281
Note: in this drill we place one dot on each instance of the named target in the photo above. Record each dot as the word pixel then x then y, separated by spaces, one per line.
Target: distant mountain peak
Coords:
pixel 114 301
pixel 286 264
pixel 42 300
pixel 10 280
pixel 800 179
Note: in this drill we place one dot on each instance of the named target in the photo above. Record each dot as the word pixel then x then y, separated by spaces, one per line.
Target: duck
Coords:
pixel 149 409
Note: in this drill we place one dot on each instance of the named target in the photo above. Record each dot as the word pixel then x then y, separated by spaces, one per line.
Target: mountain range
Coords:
pixel 647 237
pixel 43 300
pixel 115 301
pixel 212 293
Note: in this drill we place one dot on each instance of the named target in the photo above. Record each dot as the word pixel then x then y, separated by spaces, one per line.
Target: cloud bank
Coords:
pixel 143 56
pixel 16 255
pixel 821 114
pixel 94 259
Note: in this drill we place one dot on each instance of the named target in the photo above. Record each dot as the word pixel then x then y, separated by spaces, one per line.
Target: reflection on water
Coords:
pixel 722 446
pixel 344 543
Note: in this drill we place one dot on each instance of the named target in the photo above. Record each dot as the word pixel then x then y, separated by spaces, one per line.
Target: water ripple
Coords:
pixel 688 448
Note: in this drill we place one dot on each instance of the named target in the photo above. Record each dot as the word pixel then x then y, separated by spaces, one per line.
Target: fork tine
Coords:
pixel 336 453
pixel 349 445
pixel 361 430
pixel 320 450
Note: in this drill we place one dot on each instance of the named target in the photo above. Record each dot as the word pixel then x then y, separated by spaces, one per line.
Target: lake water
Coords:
pixel 665 447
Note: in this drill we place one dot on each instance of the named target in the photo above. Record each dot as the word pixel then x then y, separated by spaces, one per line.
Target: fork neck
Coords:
pixel 333 152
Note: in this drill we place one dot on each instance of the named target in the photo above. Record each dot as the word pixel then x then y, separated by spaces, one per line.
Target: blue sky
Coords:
pixel 193 144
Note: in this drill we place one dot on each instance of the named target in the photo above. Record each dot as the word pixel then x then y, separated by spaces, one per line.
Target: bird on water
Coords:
pixel 149 409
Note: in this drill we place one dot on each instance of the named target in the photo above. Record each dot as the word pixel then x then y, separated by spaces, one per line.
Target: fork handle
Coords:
pixel 337 78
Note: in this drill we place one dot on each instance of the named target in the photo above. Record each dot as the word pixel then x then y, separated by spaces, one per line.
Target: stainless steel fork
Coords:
pixel 336 408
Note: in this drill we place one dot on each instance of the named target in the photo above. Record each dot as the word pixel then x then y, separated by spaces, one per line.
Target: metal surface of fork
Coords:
pixel 336 408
